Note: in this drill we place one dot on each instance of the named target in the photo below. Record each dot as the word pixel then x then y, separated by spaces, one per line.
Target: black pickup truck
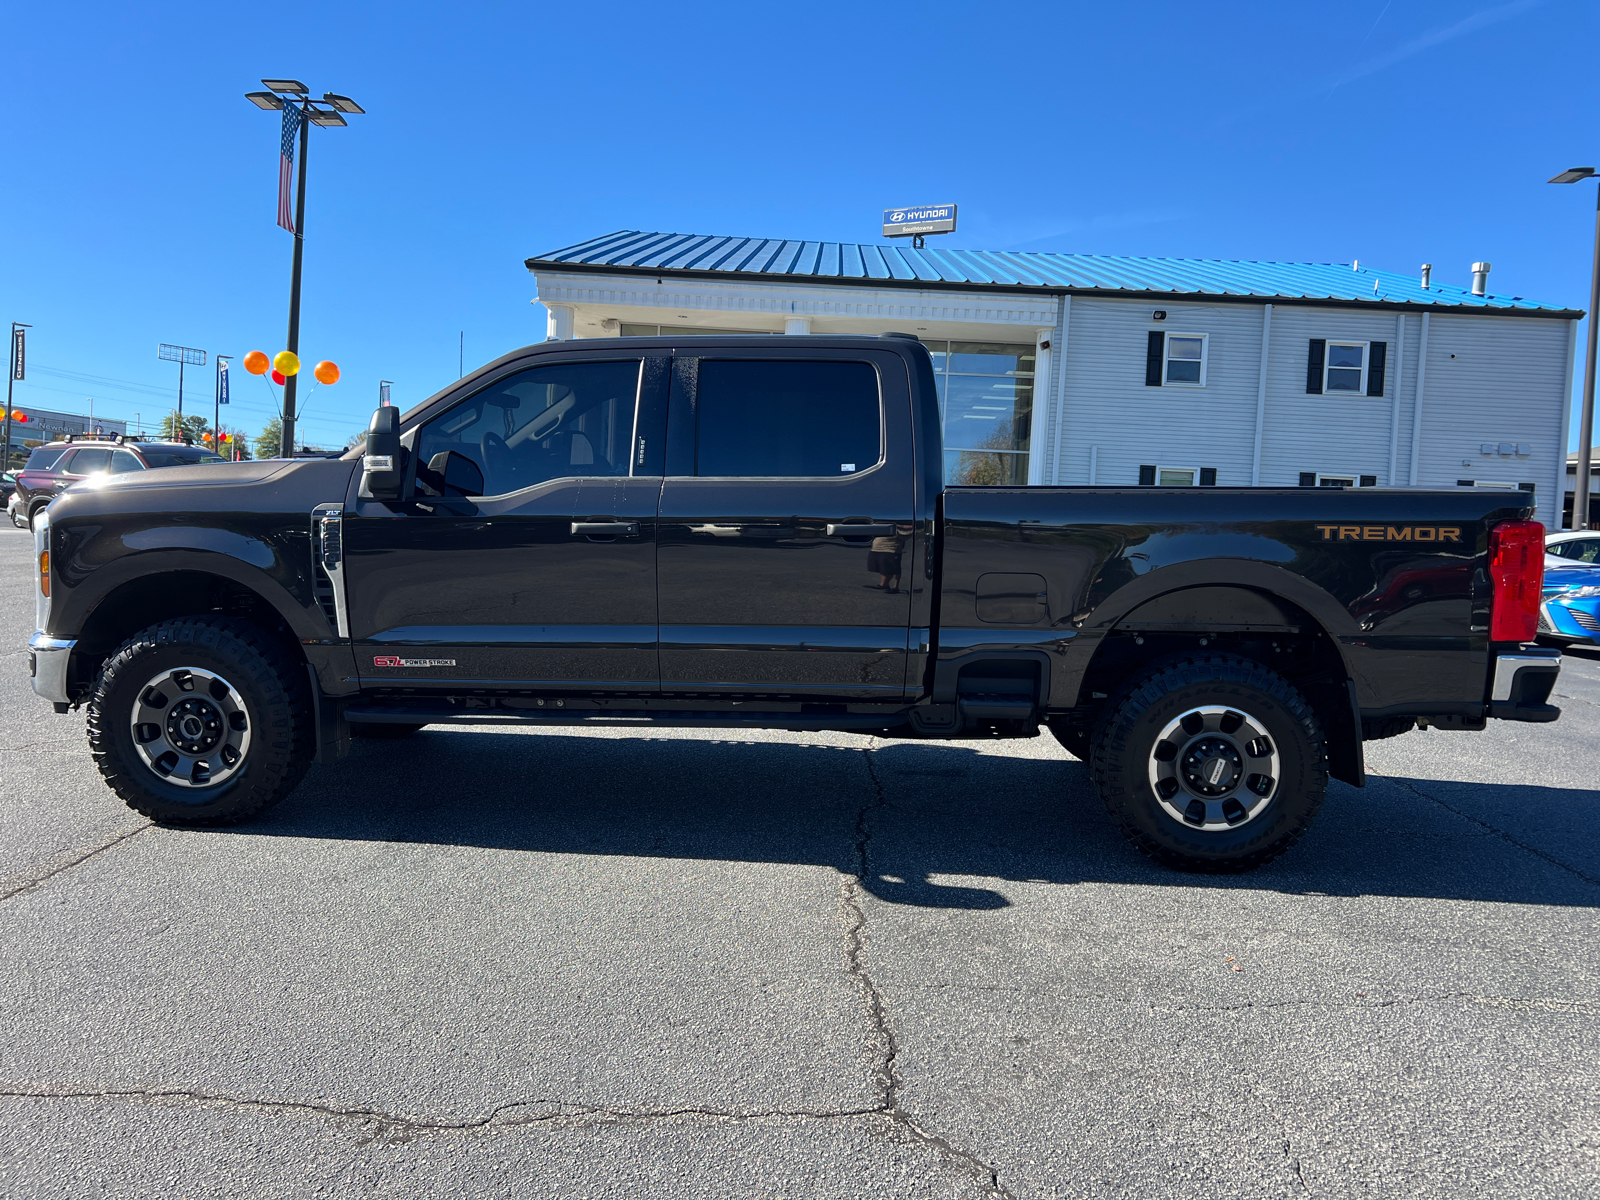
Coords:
pixel 753 532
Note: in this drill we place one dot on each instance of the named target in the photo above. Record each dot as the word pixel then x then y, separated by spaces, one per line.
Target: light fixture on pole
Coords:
pixel 184 356
pixel 1580 486
pixel 300 112
pixel 16 369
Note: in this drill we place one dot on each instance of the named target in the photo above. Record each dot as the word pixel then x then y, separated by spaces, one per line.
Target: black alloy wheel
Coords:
pixel 201 721
pixel 1213 763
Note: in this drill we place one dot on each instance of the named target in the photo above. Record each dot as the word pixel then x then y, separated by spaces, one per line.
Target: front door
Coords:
pixel 543 577
pixel 785 527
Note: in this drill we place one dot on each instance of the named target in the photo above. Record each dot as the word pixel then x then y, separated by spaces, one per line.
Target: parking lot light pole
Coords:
pixel 1580 486
pixel 327 112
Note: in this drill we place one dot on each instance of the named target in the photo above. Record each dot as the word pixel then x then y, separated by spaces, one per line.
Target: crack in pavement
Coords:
pixel 1529 1003
pixel 887 1072
pixel 21 887
pixel 1499 833
pixel 389 1124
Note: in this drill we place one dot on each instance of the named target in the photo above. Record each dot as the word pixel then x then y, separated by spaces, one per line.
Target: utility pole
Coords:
pixel 1580 485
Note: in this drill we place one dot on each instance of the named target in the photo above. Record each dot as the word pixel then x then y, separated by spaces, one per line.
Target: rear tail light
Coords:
pixel 1516 564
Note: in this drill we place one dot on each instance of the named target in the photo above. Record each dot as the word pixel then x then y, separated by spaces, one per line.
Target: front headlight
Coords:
pixel 1578 593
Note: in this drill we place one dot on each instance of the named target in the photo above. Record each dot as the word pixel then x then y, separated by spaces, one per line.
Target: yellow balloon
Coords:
pixel 286 362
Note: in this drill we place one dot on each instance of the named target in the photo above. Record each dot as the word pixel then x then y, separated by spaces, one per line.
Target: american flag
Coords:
pixel 292 117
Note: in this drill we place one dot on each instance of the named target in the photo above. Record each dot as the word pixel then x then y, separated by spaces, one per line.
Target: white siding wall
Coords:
pixel 1105 400
pixel 1332 433
pixel 1504 384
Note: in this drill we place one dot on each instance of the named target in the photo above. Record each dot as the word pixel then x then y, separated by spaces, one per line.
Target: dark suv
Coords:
pixel 51 468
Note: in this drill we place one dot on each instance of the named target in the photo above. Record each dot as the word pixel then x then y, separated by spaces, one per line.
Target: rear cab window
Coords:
pixel 786 420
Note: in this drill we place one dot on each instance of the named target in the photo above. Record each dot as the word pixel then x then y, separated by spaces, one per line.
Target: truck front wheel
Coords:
pixel 200 721
pixel 1212 763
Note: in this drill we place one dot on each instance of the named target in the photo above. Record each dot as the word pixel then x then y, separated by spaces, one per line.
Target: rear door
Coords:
pixel 785 526
pixel 545 578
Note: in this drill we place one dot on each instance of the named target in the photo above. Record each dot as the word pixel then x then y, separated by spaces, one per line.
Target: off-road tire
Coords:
pixel 276 699
pixel 1126 740
pixel 381 729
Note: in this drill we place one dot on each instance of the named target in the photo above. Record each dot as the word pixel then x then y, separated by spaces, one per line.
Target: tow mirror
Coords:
pixel 383 466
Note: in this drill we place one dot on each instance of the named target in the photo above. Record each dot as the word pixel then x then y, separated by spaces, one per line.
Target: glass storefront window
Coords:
pixel 986 401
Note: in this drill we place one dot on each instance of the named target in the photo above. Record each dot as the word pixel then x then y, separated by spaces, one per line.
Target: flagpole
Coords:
pixel 286 444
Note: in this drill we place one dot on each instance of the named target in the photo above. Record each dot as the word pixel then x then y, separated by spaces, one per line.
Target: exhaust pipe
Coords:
pixel 1480 278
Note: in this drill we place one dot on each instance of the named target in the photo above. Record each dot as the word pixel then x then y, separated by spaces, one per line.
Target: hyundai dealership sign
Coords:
pixel 926 218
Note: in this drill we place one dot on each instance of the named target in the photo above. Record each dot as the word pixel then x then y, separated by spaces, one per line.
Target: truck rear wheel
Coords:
pixel 1212 763
pixel 200 721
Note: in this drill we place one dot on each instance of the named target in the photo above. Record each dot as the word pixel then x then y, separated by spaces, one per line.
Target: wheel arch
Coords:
pixel 1287 623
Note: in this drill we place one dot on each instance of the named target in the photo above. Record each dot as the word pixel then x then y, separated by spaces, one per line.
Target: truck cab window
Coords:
pixel 557 422
pixel 787 419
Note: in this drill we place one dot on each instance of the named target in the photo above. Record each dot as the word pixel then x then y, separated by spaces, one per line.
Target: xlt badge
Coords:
pixel 389 660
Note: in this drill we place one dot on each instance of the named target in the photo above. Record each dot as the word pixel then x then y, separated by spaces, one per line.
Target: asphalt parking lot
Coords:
pixel 617 963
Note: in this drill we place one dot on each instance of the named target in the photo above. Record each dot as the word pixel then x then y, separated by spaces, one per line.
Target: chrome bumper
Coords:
pixel 1522 685
pixel 47 660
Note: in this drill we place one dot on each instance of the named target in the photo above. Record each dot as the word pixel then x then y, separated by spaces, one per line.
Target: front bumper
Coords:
pixel 1522 682
pixel 48 659
pixel 1570 621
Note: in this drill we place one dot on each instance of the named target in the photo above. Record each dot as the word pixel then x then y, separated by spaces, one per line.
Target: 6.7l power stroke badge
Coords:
pixel 389 660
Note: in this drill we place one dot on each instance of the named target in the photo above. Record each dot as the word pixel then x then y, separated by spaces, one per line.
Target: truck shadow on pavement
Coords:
pixel 924 824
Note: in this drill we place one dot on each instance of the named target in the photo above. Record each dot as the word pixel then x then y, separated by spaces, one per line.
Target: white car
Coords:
pixel 1573 546
pixel 14 511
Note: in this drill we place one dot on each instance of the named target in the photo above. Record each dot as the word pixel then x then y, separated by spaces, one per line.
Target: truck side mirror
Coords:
pixel 383 465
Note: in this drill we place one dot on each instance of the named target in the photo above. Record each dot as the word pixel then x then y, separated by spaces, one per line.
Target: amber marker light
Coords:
pixel 44 573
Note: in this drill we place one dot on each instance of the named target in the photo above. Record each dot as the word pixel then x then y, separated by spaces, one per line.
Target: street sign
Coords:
pixel 181 354
pixel 915 220
pixel 383 393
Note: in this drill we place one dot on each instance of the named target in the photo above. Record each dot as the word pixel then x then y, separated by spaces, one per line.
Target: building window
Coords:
pixel 1153 475
pixel 1186 359
pixel 1175 359
pixel 986 402
pixel 679 330
pixel 1345 368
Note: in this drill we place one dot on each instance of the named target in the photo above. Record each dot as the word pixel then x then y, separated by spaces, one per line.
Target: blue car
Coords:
pixel 1570 611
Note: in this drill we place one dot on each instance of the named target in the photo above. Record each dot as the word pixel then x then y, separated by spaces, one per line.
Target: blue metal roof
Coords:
pixel 787 258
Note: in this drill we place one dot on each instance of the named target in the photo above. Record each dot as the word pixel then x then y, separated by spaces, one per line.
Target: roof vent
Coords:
pixel 1427 274
pixel 1480 278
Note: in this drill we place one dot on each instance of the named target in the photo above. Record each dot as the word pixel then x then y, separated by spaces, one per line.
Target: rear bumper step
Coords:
pixel 1522 684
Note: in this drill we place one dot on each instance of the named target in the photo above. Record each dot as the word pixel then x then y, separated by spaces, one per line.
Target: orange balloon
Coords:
pixel 256 362
pixel 18 415
pixel 326 372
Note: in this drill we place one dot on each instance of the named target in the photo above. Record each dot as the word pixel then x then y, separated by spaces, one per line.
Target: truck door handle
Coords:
pixel 860 530
pixel 604 528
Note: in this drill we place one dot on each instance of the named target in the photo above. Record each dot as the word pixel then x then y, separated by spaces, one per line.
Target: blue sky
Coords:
pixel 141 187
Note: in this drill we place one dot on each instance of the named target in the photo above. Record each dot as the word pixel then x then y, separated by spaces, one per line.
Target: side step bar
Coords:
pixel 391 714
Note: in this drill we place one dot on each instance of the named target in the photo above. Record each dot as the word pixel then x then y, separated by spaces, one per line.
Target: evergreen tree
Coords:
pixel 270 439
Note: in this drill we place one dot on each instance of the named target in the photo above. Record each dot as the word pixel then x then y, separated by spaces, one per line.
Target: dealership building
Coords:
pixel 1098 369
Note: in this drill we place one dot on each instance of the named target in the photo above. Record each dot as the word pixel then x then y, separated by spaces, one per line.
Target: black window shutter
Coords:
pixel 1155 351
pixel 1369 481
pixel 1147 475
pixel 1319 348
pixel 1308 478
pixel 1377 360
pixel 1208 477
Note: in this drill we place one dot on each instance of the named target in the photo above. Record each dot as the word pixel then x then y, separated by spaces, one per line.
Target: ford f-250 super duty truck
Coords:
pixel 754 532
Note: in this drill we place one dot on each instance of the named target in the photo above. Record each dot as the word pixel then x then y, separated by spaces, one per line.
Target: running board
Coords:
pixel 389 714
